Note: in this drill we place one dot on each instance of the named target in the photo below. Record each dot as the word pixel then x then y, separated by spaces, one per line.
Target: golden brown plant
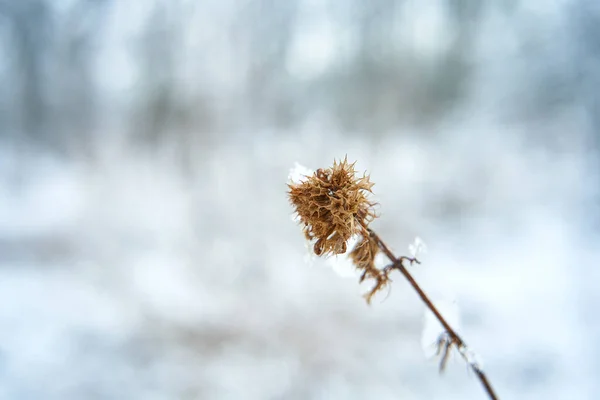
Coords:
pixel 333 206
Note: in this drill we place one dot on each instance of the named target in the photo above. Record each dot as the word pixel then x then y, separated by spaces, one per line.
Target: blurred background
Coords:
pixel 146 244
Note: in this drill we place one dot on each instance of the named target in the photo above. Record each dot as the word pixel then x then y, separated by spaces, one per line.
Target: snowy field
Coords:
pixel 124 275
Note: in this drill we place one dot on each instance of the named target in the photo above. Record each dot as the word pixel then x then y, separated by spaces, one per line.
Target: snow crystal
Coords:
pixel 417 248
pixel 342 263
pixel 432 329
pixel 309 257
pixel 471 357
pixel 299 173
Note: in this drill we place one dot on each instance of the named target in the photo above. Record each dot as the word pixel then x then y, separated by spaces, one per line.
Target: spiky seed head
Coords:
pixel 332 205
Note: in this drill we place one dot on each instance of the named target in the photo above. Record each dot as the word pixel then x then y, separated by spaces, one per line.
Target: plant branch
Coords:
pixel 454 338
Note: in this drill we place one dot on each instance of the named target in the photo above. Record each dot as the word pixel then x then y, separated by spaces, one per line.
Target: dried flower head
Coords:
pixel 332 205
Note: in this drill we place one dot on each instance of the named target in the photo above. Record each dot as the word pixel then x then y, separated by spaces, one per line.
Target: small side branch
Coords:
pixel 453 338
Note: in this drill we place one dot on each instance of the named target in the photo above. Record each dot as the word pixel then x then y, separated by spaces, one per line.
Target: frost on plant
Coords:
pixel 471 358
pixel 432 329
pixel 299 173
pixel 417 248
pixel 342 264
pixel 435 340
pixel 335 211
pixel 333 206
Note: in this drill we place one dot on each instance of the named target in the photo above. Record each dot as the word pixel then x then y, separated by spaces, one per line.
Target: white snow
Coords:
pixel 472 358
pixel 173 271
pixel 341 263
pixel 417 248
pixel 299 173
pixel 432 329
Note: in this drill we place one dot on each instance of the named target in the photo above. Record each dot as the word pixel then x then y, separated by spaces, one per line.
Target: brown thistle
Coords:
pixel 333 206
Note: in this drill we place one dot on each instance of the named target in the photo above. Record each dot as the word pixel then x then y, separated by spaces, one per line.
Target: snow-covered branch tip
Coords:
pixel 334 208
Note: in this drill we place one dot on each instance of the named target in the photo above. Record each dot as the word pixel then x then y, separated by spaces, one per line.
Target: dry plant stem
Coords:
pixel 333 205
pixel 397 263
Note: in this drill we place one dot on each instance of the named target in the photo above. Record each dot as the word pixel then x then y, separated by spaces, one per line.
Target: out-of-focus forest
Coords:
pixel 146 244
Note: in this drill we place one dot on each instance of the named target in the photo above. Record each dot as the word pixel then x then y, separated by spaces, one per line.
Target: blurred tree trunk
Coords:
pixel 29 26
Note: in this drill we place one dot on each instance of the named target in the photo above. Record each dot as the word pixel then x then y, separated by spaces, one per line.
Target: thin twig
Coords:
pixel 397 263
